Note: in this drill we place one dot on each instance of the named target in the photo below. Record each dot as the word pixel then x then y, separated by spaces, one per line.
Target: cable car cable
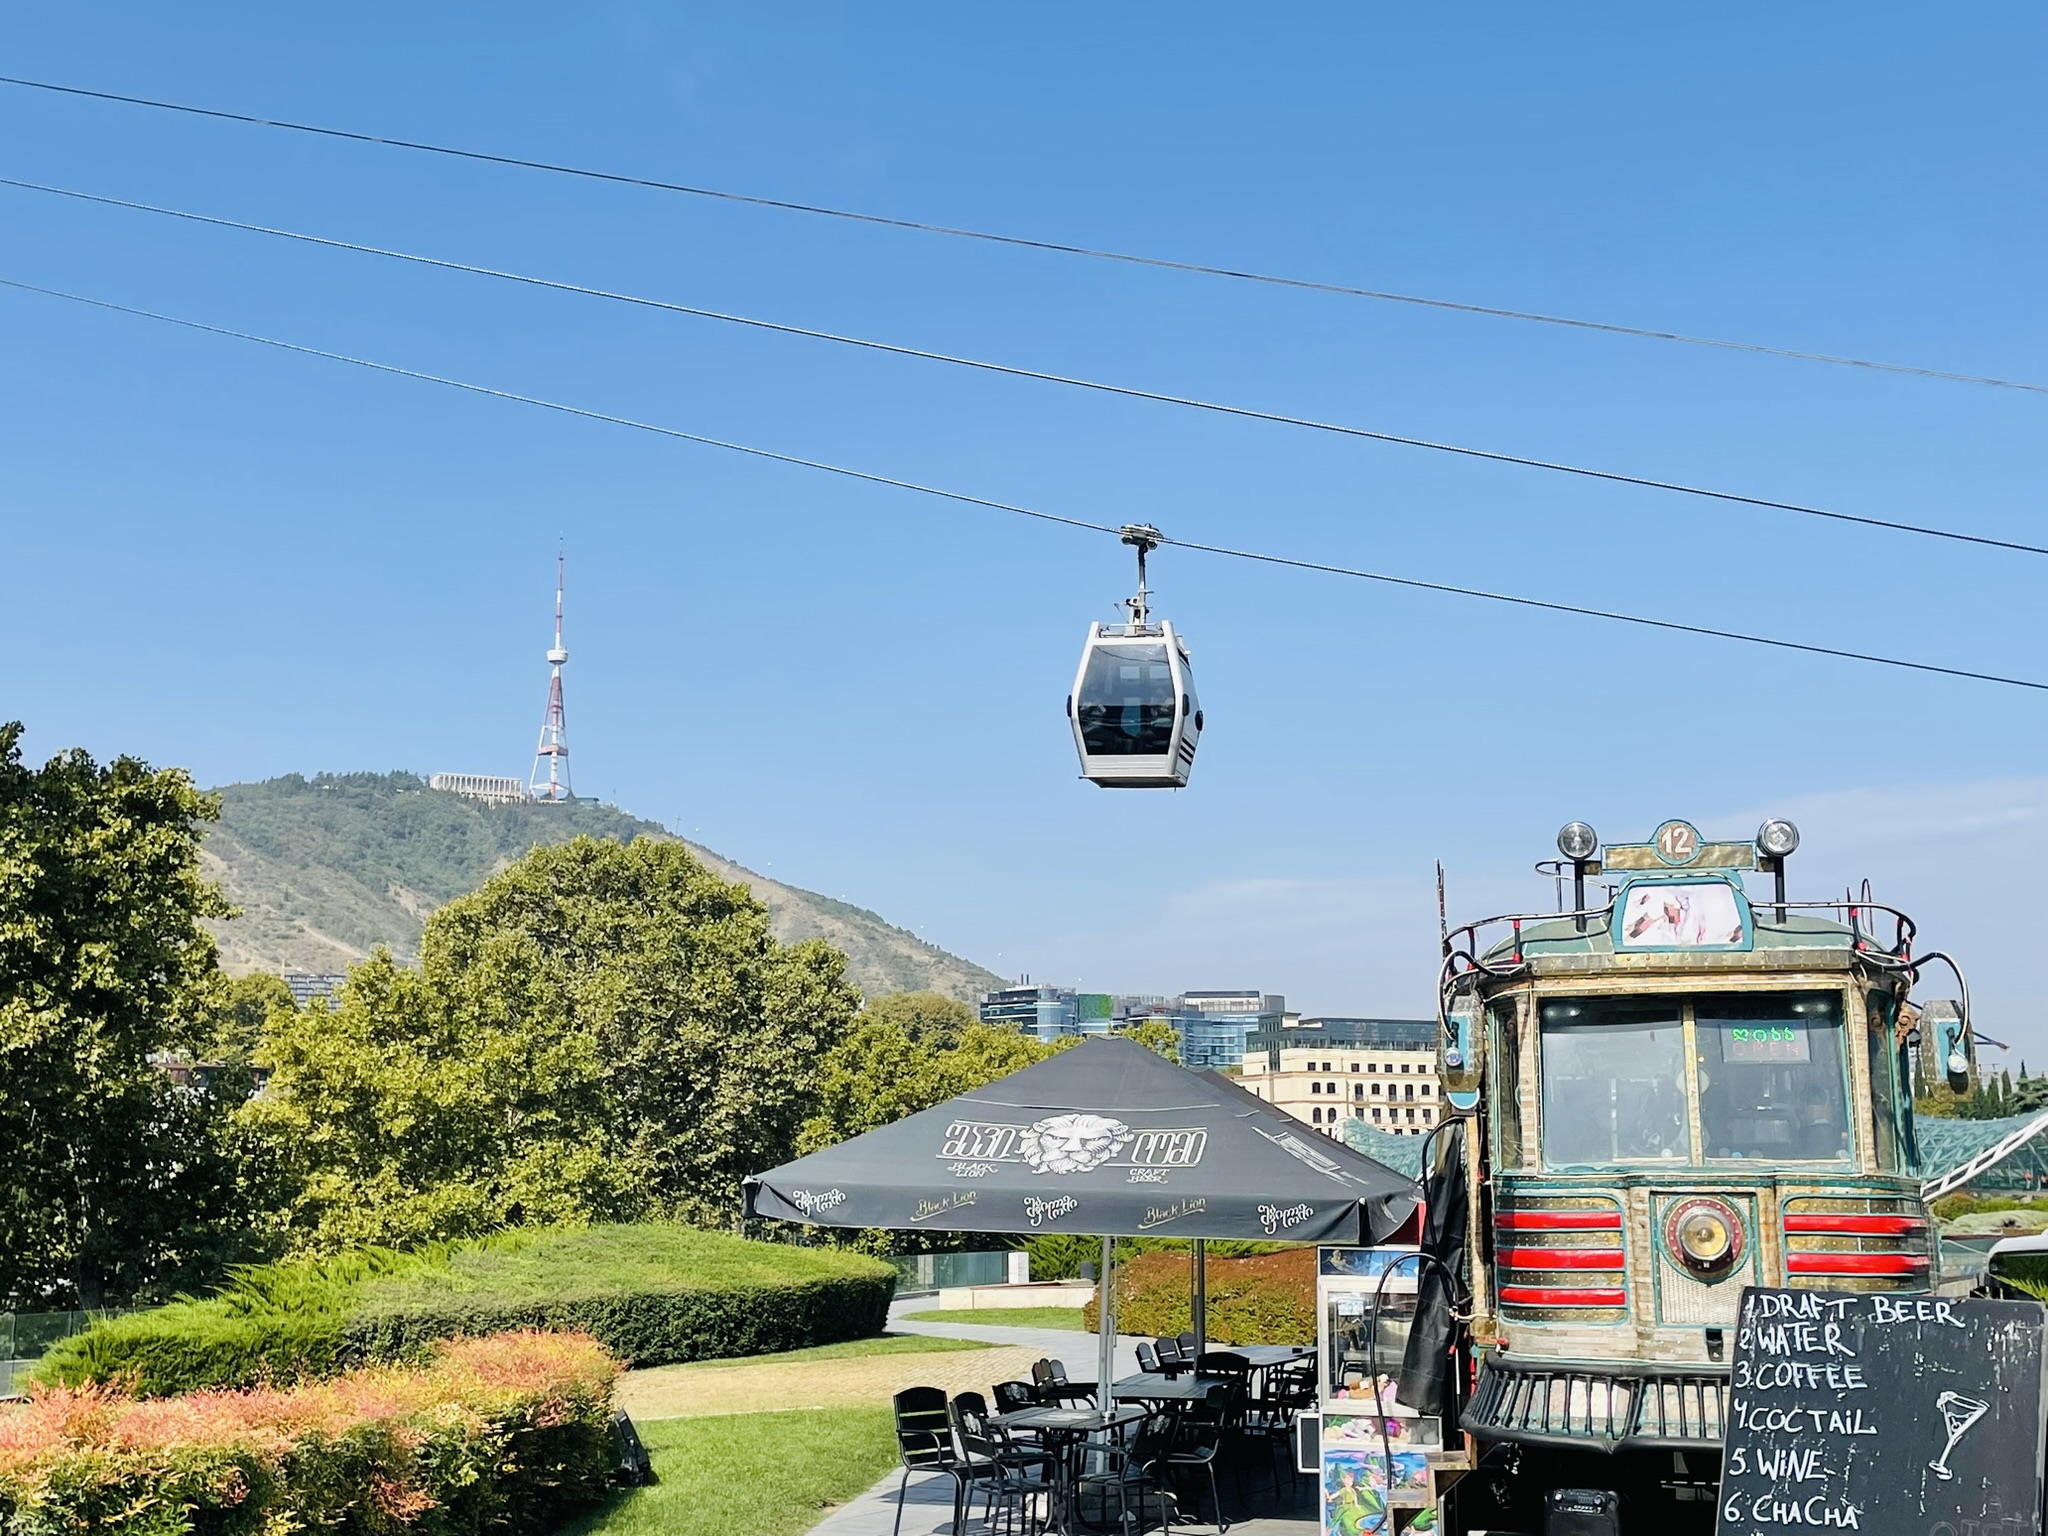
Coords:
pixel 1023 242
pixel 969 499
pixel 1132 392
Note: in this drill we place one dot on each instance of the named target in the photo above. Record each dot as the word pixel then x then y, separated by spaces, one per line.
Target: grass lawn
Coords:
pixel 751 1474
pixel 1008 1317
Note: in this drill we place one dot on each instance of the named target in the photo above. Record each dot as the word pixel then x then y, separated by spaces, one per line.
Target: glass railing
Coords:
pixel 946 1271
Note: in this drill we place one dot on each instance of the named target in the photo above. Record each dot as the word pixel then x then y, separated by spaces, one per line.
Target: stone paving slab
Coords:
pixel 928 1510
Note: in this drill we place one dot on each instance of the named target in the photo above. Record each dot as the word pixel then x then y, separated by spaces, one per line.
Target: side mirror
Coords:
pixel 1458 1052
pixel 1951 1028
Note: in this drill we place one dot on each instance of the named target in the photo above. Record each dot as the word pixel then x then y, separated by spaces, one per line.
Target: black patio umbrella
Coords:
pixel 1107 1138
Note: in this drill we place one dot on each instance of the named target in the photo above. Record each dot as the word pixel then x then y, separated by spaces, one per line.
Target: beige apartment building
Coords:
pixel 1382 1072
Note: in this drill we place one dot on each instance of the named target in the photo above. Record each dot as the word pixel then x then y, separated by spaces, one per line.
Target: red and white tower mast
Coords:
pixel 552 781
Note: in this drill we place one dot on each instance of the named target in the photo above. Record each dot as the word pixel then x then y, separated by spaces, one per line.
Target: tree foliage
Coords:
pixel 603 1031
pixel 1995 1096
pixel 929 1017
pixel 119 1181
pixel 879 1073
pixel 1156 1035
pixel 234 1012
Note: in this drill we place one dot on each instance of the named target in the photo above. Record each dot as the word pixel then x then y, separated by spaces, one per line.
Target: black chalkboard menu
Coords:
pixel 1902 1415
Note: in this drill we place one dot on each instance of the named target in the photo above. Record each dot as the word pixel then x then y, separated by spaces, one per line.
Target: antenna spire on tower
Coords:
pixel 552 781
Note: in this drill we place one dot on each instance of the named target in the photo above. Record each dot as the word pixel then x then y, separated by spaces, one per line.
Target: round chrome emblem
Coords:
pixel 1704 1235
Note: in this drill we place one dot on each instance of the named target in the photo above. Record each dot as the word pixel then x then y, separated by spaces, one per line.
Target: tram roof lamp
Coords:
pixel 1577 841
pixel 1776 838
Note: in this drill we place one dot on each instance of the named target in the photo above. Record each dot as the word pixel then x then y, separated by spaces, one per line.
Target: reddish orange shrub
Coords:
pixel 506 1432
pixel 1266 1299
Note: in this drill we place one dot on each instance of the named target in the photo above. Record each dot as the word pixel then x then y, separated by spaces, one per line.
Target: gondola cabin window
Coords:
pixel 1126 701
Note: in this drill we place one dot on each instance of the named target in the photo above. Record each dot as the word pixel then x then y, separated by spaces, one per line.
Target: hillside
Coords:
pixel 327 868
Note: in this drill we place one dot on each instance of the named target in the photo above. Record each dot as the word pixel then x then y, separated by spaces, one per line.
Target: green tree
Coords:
pixel 927 1016
pixel 602 1031
pixel 1155 1035
pixel 879 1073
pixel 234 1013
pixel 120 1181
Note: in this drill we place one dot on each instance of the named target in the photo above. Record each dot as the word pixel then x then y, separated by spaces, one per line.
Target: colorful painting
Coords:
pixel 1367 1263
pixel 1666 914
pixel 1361 1483
pixel 1352 1506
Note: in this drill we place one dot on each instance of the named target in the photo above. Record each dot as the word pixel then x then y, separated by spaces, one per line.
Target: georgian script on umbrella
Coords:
pixel 1038 1212
pixel 812 1201
pixel 1278 1218
pixel 1073 1143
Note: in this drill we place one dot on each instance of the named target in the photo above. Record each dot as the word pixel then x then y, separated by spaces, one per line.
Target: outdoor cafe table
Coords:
pixel 1158 1387
pixel 1263 1357
pixel 1063 1431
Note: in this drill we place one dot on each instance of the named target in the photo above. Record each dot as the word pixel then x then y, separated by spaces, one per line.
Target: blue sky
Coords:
pixel 250 563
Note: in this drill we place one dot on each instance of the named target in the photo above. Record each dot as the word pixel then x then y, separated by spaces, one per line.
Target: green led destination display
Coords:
pixel 1763 1042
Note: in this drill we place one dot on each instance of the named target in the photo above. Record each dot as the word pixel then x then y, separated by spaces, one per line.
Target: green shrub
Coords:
pixel 652 1294
pixel 509 1433
pixel 1265 1299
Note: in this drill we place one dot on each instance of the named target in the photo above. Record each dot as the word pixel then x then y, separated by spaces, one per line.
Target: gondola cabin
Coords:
pixel 1134 711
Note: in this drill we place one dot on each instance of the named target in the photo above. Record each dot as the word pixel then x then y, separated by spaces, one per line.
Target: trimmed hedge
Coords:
pixel 652 1294
pixel 505 1434
pixel 1265 1300
pixel 648 1327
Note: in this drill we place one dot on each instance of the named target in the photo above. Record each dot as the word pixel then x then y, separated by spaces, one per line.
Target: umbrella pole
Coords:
pixel 1201 1306
pixel 1105 1358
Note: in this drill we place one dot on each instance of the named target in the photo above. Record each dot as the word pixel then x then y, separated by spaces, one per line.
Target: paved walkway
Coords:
pixel 1076 1349
pixel 928 1506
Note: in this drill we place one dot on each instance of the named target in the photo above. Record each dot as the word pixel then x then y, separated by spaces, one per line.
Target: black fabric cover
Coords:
pixel 1428 1365
pixel 1106 1138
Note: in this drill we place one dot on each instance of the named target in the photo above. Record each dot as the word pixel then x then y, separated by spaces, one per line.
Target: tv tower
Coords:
pixel 554 727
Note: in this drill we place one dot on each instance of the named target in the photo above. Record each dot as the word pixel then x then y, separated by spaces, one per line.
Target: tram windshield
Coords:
pixel 1614 1081
pixel 1126 703
pixel 1771 1079
pixel 1769 1069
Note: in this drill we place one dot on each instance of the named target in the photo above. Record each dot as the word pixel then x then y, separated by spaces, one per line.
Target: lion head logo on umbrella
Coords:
pixel 1072 1143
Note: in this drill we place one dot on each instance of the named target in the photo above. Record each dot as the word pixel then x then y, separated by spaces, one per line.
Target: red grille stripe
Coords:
pixel 1561 1296
pixel 1857 1226
pixel 1560 1258
pixel 1558 1221
pixel 1855 1263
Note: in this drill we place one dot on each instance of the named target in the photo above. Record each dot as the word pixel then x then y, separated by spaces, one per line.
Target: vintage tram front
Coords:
pixel 1671 1095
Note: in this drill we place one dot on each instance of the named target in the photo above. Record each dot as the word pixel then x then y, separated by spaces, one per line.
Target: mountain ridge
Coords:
pixel 326 868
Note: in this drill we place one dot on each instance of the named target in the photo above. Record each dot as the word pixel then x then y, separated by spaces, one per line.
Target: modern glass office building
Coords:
pixel 1213 1027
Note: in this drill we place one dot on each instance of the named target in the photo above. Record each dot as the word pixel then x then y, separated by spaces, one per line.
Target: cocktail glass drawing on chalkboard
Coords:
pixel 1958 1413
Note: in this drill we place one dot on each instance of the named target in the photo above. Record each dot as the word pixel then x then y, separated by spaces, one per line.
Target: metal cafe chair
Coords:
pixel 1013 1397
pixel 1198 1442
pixel 1053 1386
pixel 1148 1358
pixel 1171 1359
pixel 924 1443
pixel 1000 1470
pixel 1134 1470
